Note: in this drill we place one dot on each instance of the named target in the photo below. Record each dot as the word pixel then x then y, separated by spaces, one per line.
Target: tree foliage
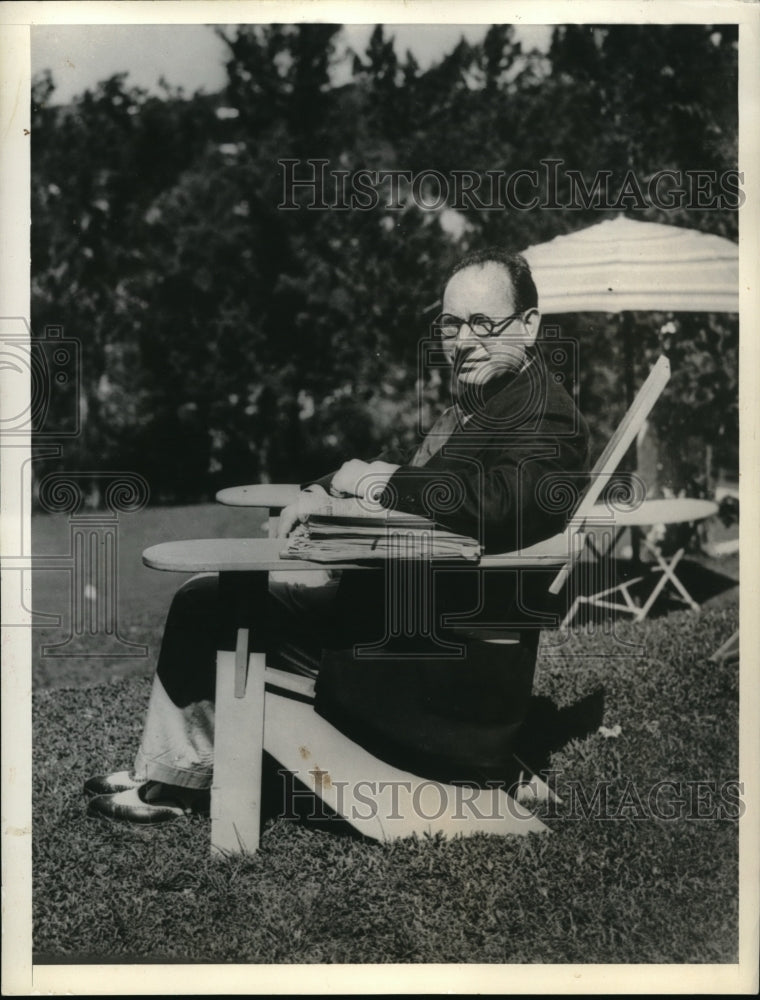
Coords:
pixel 227 340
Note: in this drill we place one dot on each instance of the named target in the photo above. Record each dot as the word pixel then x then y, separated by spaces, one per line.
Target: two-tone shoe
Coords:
pixel 150 802
pixel 109 784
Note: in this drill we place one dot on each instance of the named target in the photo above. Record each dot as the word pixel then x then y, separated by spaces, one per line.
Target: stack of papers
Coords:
pixel 348 531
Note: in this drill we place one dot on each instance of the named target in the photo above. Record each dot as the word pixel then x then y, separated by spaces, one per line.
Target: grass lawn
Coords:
pixel 628 877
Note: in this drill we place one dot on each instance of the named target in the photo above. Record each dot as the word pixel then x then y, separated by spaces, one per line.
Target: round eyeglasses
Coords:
pixel 447 327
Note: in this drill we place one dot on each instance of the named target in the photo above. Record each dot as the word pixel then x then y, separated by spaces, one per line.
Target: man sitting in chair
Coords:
pixel 510 434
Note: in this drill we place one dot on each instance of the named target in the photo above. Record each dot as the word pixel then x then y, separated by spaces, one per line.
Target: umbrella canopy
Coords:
pixel 620 265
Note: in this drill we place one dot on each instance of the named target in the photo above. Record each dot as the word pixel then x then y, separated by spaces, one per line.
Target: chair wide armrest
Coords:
pixel 274 496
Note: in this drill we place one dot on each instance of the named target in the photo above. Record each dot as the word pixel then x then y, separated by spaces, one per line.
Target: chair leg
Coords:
pixel 572 612
pixel 728 651
pixel 643 611
pixel 678 585
pixel 238 751
pixel 668 574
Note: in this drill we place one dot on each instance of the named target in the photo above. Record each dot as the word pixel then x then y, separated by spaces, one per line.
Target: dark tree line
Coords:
pixel 225 340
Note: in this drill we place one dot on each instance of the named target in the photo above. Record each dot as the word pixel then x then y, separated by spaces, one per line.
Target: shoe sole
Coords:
pixel 147 816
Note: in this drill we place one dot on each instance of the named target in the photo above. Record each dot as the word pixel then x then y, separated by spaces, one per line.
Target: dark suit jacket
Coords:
pixel 508 476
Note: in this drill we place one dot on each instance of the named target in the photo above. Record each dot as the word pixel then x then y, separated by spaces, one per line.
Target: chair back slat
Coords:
pixel 607 463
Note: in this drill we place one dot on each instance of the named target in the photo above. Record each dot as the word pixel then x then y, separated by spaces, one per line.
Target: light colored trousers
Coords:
pixel 177 744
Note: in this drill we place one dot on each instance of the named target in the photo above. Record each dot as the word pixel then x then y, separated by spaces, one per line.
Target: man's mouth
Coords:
pixel 467 362
pixel 472 368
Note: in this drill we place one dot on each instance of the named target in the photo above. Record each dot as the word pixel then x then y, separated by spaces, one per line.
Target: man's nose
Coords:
pixel 466 335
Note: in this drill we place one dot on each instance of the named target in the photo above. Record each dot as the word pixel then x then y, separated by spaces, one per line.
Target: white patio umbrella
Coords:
pixel 622 265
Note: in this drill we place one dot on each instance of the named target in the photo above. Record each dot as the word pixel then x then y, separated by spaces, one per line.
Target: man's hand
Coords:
pixel 309 501
pixel 362 479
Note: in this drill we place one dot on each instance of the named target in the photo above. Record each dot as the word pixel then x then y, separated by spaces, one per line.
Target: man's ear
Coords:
pixel 532 323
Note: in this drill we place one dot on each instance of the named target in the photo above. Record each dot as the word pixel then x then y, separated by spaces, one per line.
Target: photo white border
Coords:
pixel 20 978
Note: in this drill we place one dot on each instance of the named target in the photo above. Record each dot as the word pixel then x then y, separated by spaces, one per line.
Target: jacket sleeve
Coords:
pixel 324 482
pixel 513 497
pixel 394 456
